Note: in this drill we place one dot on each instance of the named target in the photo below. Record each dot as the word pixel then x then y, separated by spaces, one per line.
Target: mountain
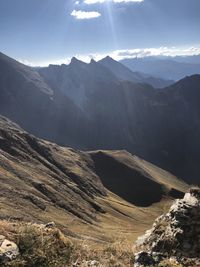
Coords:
pixel 85 106
pixel 78 80
pixel 195 59
pixel 42 182
pixel 167 68
pixel 27 99
pixel 125 74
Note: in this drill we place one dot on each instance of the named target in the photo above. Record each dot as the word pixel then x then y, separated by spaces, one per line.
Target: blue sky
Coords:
pixel 41 31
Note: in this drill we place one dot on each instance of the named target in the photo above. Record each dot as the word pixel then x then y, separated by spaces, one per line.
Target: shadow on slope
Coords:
pixel 128 183
pixel 133 179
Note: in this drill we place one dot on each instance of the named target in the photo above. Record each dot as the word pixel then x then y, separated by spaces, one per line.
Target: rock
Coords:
pixel 177 233
pixel 50 225
pixel 92 263
pixel 8 251
pixel 144 258
pixel 158 257
pixel 2 238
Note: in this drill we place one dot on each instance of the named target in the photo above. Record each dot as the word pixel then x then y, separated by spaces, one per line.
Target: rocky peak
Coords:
pixel 74 60
pixel 177 233
pixel 92 61
pixel 108 58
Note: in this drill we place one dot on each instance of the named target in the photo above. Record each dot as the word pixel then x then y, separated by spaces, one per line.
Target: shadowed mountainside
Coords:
pixel 123 73
pixel 29 101
pixel 133 179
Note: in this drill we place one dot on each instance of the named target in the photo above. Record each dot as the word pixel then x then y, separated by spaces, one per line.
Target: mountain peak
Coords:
pixel 107 58
pixel 92 61
pixel 74 60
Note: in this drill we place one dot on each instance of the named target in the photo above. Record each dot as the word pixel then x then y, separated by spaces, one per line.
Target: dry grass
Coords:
pixel 40 246
pixel 169 263
pixel 49 247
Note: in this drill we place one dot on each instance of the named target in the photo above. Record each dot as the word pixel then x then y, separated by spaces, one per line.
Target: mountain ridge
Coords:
pixel 99 112
pixel 126 74
pixel 170 68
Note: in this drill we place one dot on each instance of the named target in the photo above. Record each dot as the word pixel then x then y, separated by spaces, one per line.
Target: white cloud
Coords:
pixel 79 14
pixel 77 2
pixel 160 51
pixel 128 1
pixel 122 54
pixel 89 2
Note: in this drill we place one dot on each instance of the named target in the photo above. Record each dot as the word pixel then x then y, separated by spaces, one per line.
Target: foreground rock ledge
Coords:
pixel 175 234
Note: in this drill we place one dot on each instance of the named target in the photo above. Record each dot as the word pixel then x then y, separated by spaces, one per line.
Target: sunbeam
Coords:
pixel 111 23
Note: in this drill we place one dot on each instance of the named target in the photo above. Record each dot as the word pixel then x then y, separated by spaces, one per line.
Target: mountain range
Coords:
pixel 103 105
pixel 165 67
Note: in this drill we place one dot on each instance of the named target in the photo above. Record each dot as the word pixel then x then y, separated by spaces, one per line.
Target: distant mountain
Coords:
pixel 188 59
pixel 121 72
pixel 86 106
pixel 125 74
pixel 166 68
pixel 44 182
pixel 78 80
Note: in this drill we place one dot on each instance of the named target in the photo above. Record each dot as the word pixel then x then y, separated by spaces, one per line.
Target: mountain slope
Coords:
pixel 78 80
pixel 125 74
pixel 28 100
pixel 128 176
pixel 43 182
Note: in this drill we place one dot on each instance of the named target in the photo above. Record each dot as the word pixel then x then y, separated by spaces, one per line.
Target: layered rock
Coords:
pixel 176 233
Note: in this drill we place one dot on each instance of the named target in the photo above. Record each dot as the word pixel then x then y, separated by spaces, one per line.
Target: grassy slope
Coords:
pixel 43 182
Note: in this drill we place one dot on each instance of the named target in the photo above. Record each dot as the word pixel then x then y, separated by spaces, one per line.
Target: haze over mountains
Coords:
pixel 97 106
pixel 165 67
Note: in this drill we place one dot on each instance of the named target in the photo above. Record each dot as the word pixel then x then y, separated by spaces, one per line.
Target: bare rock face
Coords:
pixel 176 233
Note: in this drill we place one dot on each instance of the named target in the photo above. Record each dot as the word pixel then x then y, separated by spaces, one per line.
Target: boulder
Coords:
pixel 50 225
pixel 8 250
pixel 144 259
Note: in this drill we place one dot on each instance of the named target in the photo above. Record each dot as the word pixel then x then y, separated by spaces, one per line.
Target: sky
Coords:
pixel 39 32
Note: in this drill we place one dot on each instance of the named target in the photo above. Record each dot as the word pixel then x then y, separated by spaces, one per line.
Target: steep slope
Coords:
pixel 181 113
pixel 167 68
pixel 43 182
pixel 28 100
pixel 125 74
pixel 46 174
pixel 78 80
pixel 120 71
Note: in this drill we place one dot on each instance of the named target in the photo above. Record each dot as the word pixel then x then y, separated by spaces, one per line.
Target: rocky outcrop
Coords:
pixel 8 250
pixel 177 233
